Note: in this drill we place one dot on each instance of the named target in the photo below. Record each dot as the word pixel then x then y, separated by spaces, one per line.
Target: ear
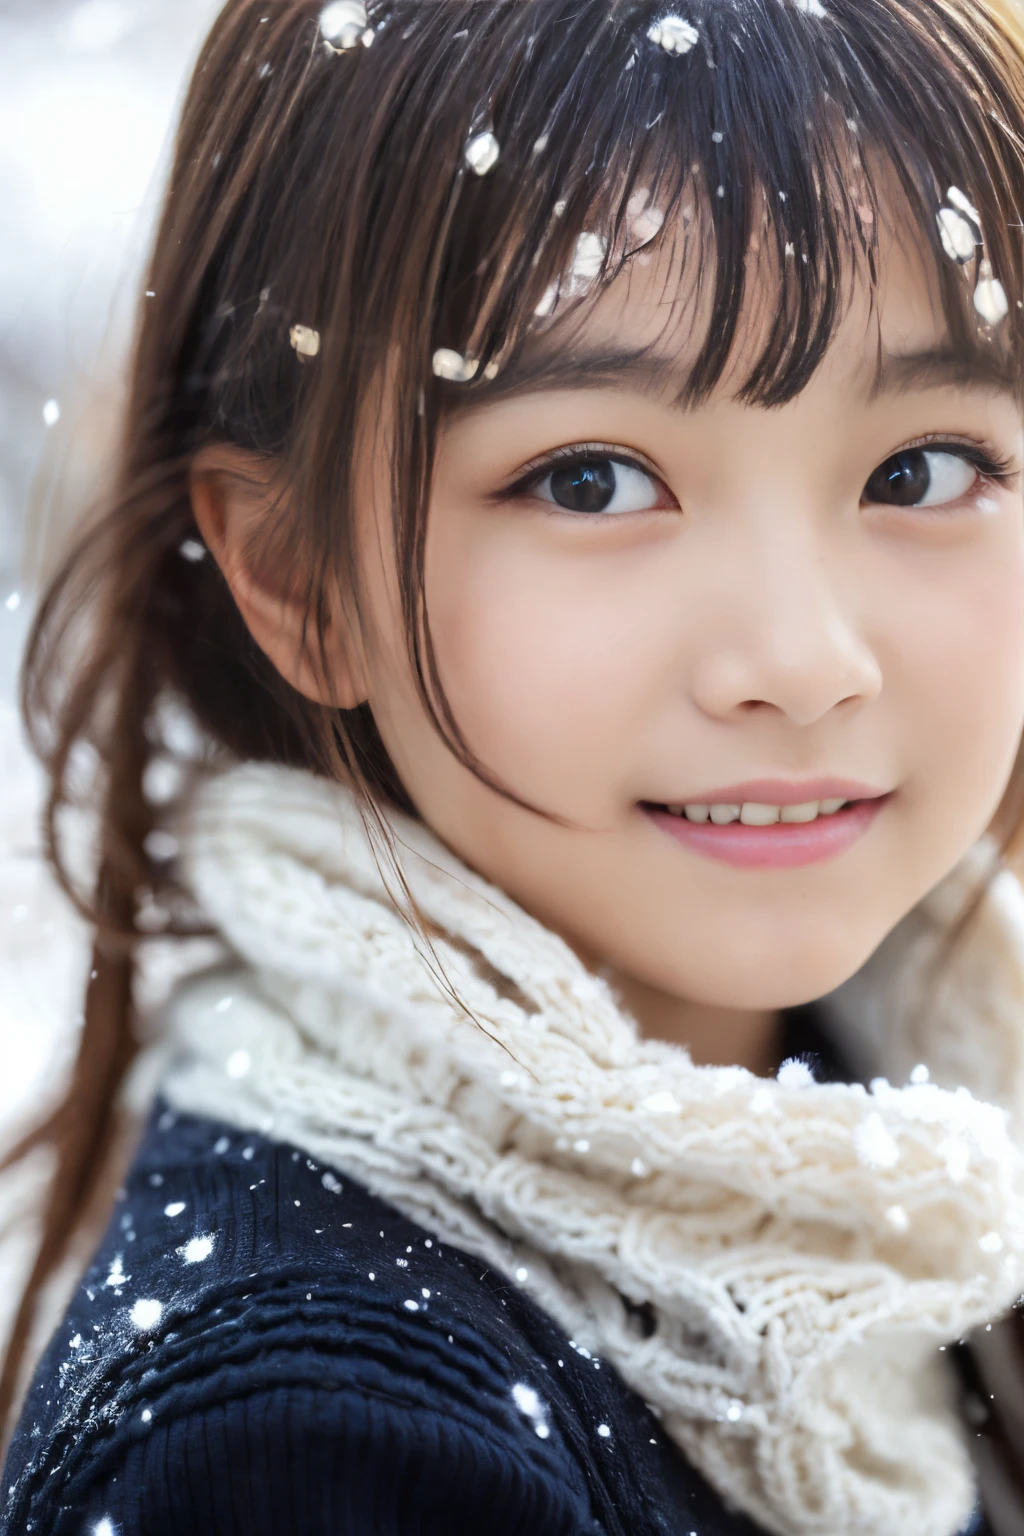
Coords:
pixel 234 494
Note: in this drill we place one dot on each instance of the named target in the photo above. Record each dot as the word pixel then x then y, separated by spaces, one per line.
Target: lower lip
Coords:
pixel 783 845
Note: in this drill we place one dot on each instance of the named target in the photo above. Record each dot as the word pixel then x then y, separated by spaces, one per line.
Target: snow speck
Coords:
pixel 197 1248
pixel 223 1004
pixel 105 1527
pixel 673 34
pixel 330 1183
pixel 604 1431
pixel 522 1274
pixel 795 1073
pixel 156 1179
pixel 175 1208
pixel 402 1263
pixel 117 1276
pixel 662 1103
pixel 734 1412
pixel 991 1242
pixel 638 1168
pixel 582 1145
pixel 146 1415
pixel 76 1342
pixel 221 1144
pixel 874 1143
pixel 146 1313
pixel 161 845
pixel 248 1153
pixel 51 412
pixel 411 1306
pixel 425 1294
pixel 238 1064
pixel 920 1074
pixel 12 602
pixel 372 1276
pixel 529 1404
pixel 897 1218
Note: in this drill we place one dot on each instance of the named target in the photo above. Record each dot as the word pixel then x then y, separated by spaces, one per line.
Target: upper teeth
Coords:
pixel 754 814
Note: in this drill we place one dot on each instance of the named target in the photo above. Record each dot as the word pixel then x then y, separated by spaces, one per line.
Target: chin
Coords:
pixel 785 978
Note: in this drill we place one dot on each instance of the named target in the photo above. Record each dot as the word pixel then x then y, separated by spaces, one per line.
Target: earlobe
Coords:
pixel 232 497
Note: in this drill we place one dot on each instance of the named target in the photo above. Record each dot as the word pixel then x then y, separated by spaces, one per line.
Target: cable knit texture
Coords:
pixel 805 1247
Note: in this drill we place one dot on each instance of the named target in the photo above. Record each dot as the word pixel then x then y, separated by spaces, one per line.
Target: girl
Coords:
pixel 558 629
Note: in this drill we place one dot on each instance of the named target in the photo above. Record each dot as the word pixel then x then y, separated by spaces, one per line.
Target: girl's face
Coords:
pixel 638 605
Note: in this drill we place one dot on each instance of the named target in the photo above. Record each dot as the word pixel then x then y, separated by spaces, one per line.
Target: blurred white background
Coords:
pixel 88 95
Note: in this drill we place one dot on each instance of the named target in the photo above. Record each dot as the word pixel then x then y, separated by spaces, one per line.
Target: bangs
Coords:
pixel 773 127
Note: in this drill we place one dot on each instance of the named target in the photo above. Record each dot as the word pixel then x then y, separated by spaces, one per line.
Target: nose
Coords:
pixel 786 635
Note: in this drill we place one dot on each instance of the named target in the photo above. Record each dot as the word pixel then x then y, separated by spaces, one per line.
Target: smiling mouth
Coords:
pixel 754 835
pixel 754 813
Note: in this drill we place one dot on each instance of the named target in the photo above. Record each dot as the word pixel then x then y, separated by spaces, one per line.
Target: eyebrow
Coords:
pixel 646 371
pixel 612 367
pixel 942 366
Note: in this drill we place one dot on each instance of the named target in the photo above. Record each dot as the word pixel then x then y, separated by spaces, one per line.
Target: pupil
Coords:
pixel 902 480
pixel 588 485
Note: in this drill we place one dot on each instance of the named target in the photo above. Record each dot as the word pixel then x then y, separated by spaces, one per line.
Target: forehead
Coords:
pixel 663 301
pixel 647 327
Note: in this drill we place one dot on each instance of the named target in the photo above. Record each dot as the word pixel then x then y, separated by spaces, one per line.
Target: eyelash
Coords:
pixel 990 464
pixel 985 459
pixel 535 472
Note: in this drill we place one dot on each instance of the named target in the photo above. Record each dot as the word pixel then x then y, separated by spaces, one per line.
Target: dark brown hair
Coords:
pixel 330 189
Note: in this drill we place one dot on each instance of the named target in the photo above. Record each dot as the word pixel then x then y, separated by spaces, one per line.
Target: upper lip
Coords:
pixel 783 792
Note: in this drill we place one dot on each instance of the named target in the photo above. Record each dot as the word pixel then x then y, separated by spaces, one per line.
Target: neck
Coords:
pixel 713 1036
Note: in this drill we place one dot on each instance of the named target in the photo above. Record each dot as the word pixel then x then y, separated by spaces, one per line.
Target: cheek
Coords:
pixel 958 653
pixel 549 656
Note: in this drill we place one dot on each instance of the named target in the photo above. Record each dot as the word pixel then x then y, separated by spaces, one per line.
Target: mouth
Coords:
pixel 760 835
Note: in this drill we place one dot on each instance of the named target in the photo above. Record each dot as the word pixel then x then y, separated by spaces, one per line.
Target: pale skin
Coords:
pixel 755 615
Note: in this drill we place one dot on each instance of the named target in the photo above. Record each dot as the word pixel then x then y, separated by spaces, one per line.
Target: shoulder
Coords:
pixel 262 1344
pixel 256 1313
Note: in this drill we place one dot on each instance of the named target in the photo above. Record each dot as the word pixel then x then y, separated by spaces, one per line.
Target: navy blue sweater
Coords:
pixel 263 1348
pixel 327 1368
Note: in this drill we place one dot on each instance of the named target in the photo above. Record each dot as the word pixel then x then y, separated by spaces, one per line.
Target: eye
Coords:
pixel 588 483
pixel 921 477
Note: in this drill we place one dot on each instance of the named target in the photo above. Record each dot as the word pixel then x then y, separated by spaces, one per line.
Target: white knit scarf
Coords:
pixel 805 1248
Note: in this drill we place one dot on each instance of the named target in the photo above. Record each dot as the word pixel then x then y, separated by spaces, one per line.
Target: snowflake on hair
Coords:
pixel 343 25
pixel 673 34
